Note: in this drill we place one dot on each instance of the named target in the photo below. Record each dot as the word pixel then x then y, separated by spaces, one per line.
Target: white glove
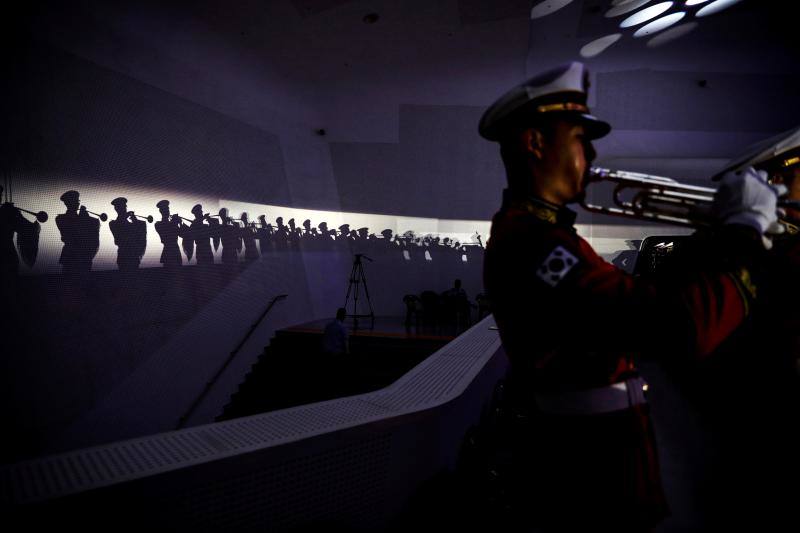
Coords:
pixel 745 197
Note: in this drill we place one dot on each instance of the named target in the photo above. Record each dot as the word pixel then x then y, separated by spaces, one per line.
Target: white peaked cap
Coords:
pixel 560 90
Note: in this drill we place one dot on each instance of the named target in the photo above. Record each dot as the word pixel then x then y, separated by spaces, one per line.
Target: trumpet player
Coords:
pixel 248 237
pixel 230 237
pixel 281 236
pixel 264 233
pixel 80 233
pixel 169 229
pixel 749 393
pixel 11 222
pixel 583 452
pixel 130 236
pixel 201 235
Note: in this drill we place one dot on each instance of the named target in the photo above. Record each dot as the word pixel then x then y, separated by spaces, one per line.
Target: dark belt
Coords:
pixel 616 397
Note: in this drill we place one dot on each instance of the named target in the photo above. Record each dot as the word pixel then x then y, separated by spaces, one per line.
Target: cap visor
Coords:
pixel 594 127
pixel 763 151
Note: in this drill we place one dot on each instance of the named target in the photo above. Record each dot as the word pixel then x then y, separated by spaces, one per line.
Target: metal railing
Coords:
pixel 210 384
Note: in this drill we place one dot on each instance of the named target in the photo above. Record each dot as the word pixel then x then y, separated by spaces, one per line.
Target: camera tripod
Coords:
pixel 357 278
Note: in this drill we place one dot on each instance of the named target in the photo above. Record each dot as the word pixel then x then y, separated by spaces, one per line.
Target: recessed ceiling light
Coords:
pixel 671 34
pixel 715 7
pixel 659 24
pixel 598 45
pixel 695 2
pixel 547 7
pixel 627 7
pixel 645 14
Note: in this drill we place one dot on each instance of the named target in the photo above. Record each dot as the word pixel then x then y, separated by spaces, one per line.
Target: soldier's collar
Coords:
pixel 541 209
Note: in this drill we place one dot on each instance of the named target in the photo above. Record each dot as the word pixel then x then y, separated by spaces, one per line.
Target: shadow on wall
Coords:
pixel 74 337
pixel 239 239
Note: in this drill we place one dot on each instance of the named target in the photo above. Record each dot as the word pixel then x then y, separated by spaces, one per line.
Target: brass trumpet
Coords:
pixel 658 199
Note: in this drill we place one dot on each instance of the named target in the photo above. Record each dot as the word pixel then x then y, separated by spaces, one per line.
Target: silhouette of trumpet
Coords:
pixel 102 216
pixel 41 216
pixel 204 217
pixel 148 218
pixel 190 220
pixel 246 223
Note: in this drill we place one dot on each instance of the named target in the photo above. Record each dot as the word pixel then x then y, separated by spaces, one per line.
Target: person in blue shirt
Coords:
pixel 334 340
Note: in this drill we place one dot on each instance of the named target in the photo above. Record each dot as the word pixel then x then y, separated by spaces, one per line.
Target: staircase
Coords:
pixel 292 370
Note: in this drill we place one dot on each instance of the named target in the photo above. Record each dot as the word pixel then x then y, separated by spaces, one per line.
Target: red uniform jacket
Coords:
pixel 571 321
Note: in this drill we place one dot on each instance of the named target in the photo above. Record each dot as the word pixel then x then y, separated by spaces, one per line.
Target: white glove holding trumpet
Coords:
pixel 745 197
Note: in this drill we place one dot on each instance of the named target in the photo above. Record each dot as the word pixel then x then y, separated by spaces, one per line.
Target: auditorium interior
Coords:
pixel 328 152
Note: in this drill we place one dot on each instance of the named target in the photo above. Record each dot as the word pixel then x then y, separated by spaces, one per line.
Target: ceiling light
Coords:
pixel 627 7
pixel 659 24
pixel 695 2
pixel 671 34
pixel 715 7
pixel 598 45
pixel 547 7
pixel 645 14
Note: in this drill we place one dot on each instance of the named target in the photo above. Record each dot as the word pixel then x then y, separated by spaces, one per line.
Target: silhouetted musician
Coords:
pixel 11 222
pixel 325 239
pixel 343 238
pixel 281 237
pixel 231 240
pixel 130 236
pixel 308 236
pixel 80 233
pixel 293 235
pixel 264 235
pixel 201 235
pixel 387 241
pixel 169 228
pixel 248 233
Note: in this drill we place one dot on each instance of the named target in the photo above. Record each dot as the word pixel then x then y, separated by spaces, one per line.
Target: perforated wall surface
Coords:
pixel 333 485
pixel 328 461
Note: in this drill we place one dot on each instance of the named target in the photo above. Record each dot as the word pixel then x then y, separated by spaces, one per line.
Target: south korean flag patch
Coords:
pixel 556 266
